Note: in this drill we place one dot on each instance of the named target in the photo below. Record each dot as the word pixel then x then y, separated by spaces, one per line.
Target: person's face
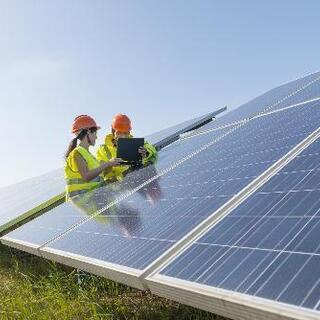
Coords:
pixel 92 137
pixel 118 135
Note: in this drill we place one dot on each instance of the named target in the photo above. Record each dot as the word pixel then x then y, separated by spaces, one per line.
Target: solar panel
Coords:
pixel 268 247
pixel 143 229
pixel 22 200
pixel 301 90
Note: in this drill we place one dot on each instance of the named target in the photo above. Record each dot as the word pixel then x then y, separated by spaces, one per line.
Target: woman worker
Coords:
pixel 83 172
pixel 121 128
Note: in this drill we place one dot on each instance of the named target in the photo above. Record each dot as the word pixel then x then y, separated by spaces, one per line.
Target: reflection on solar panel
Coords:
pixel 21 200
pixel 131 236
pixel 291 93
pixel 51 224
pixel 41 230
pixel 268 247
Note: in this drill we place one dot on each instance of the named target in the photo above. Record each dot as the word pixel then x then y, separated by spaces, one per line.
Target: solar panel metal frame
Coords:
pixel 32 212
pixel 269 106
pixel 231 124
pixel 226 302
pixel 168 140
pixel 26 216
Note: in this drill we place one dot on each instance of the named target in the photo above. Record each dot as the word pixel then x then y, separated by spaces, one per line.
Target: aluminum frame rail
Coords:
pixel 196 125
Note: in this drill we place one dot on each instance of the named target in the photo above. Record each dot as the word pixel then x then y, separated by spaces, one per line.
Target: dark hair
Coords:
pixel 80 136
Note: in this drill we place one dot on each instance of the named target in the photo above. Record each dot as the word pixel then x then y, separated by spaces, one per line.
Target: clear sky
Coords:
pixel 160 62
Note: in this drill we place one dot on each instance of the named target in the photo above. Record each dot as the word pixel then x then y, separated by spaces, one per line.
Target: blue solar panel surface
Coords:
pixel 294 92
pixel 21 197
pixel 269 245
pixel 309 92
pixel 136 232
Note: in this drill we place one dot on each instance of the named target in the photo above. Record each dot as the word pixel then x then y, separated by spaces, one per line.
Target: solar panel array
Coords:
pixel 129 230
pixel 269 245
pixel 190 194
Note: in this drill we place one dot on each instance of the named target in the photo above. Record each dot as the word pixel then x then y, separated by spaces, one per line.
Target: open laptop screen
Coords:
pixel 128 149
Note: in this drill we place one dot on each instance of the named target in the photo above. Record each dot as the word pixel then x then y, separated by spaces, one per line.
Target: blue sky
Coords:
pixel 160 62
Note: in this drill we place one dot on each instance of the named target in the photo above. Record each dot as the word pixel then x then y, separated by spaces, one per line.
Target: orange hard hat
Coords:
pixel 121 123
pixel 83 122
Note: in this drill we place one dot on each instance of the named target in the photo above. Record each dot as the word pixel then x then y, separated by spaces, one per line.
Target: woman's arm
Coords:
pixel 87 174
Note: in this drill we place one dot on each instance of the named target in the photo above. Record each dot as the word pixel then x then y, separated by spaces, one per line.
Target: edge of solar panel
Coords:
pixel 119 273
pixel 194 125
pixel 125 275
pixel 157 136
pixel 231 124
pixel 220 123
pixel 41 208
pixel 21 245
pixel 226 302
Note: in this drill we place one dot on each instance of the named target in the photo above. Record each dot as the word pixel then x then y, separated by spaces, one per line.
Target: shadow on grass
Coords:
pixel 35 288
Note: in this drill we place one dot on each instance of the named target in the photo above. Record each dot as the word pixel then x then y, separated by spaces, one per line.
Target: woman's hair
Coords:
pixel 80 136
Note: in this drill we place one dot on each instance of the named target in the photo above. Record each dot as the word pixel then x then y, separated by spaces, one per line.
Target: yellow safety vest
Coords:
pixel 108 150
pixel 75 183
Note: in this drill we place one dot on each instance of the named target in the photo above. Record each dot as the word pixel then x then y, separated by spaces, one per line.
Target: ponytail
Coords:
pixel 73 143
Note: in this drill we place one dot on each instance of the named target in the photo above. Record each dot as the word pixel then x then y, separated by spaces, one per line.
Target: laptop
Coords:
pixel 128 150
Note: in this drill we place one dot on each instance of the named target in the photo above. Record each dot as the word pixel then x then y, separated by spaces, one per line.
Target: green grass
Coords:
pixel 34 288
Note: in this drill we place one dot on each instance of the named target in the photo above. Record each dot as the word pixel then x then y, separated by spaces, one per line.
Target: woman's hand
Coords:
pixel 114 162
pixel 143 152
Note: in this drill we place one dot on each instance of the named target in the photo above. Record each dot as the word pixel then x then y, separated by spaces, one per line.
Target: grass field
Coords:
pixel 34 288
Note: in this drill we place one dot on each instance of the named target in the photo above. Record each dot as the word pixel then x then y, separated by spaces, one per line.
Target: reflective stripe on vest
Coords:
pixel 116 173
pixel 78 181
pixel 108 152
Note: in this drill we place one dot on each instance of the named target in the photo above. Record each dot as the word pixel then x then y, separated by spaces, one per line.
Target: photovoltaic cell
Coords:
pixel 18 199
pixel 269 245
pixel 137 230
